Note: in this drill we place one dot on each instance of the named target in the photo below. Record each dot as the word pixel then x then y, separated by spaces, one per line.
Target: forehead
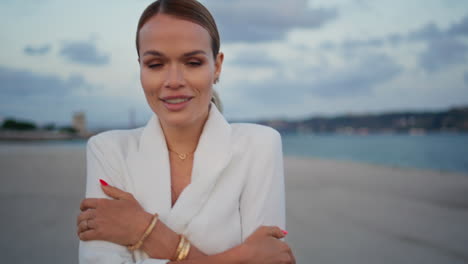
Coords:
pixel 170 34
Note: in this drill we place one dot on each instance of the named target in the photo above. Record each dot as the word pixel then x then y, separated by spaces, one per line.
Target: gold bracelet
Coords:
pixel 148 230
pixel 184 252
pixel 179 248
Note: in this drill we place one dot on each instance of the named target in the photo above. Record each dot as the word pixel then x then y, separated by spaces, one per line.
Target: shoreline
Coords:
pixel 76 144
pixel 375 164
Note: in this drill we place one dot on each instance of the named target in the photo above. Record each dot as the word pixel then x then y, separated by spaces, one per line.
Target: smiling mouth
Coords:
pixel 176 100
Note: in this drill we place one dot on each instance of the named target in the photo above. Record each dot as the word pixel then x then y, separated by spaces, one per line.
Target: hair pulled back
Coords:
pixel 190 10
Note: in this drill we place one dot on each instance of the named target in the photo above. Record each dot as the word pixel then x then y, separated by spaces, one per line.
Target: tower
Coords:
pixel 79 123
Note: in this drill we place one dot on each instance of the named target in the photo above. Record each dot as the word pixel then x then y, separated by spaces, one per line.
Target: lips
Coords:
pixel 176 103
pixel 176 99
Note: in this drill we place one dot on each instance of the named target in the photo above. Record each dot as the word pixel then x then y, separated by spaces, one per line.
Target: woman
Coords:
pixel 188 186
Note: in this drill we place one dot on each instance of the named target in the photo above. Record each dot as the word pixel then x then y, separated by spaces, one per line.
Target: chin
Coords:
pixel 186 117
pixel 176 119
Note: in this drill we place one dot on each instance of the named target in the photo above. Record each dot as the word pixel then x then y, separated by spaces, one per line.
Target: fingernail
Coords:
pixel 284 232
pixel 103 182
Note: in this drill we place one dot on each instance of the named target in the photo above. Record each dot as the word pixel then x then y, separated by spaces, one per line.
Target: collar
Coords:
pixel 150 170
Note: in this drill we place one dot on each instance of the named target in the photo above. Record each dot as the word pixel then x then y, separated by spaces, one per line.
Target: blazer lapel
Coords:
pixel 212 155
pixel 150 171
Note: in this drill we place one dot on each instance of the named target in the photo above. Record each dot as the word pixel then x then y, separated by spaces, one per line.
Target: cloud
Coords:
pixel 351 44
pixel 427 32
pixel 255 21
pixel 18 82
pixel 50 98
pixel 460 29
pixel 327 45
pixel 353 79
pixel 254 58
pixel 443 52
pixel 267 98
pixel 37 50
pixel 85 53
pixel 443 47
pixel 395 39
pixel 357 80
pixel 431 31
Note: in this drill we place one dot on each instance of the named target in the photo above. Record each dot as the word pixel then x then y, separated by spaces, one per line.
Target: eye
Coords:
pixel 194 63
pixel 155 65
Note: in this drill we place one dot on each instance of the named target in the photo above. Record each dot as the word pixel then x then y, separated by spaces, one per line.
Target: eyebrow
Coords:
pixel 160 54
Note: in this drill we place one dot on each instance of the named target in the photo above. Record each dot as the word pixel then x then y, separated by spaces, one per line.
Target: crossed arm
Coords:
pixel 106 226
pixel 121 220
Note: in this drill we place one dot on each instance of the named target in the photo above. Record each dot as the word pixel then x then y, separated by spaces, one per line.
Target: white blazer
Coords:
pixel 237 184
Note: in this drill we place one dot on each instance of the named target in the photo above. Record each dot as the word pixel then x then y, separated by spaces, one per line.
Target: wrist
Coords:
pixel 161 243
pixel 143 223
pixel 241 254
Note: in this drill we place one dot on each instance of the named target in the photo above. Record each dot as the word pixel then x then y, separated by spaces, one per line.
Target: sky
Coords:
pixel 283 59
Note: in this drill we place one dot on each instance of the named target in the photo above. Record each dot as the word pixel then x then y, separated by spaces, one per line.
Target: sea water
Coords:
pixel 437 151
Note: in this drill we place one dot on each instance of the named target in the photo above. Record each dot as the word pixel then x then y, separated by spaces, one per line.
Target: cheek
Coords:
pixel 149 83
pixel 203 83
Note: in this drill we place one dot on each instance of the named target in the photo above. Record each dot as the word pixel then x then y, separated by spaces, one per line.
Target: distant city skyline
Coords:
pixel 283 59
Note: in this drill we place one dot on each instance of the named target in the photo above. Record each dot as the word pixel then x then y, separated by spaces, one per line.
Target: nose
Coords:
pixel 175 77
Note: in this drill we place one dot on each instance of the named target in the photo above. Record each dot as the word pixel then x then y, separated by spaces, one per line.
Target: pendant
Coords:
pixel 182 156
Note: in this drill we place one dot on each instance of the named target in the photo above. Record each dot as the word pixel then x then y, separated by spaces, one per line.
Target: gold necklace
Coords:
pixel 182 156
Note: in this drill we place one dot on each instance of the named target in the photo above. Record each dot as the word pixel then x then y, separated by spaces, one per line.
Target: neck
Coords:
pixel 183 139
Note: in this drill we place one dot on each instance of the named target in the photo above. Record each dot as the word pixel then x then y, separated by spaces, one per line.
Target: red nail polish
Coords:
pixel 284 232
pixel 103 182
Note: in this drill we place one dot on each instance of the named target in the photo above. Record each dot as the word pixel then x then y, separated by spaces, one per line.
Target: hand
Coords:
pixel 121 220
pixel 264 246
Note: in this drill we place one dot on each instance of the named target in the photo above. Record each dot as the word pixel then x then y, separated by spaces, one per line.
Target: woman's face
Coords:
pixel 177 69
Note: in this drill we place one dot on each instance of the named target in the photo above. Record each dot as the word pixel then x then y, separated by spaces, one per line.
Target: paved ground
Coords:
pixel 337 212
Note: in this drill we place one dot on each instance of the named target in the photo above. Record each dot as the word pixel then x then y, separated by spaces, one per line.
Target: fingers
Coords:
pixel 85 215
pixel 85 221
pixel 292 257
pixel 89 203
pixel 282 247
pixel 272 231
pixel 116 193
pixel 287 253
pixel 290 253
pixel 89 234
pixel 83 226
pixel 276 232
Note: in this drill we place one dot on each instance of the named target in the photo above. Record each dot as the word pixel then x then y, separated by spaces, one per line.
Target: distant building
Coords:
pixel 79 123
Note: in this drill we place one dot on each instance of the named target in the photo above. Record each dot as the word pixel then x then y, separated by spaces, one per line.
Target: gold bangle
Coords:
pixel 184 252
pixel 148 230
pixel 179 248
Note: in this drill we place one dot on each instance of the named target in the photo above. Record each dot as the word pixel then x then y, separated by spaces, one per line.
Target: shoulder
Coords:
pixel 254 131
pixel 115 140
pixel 255 135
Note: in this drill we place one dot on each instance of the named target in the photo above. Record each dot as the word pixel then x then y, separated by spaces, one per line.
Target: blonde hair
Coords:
pixel 190 10
pixel 217 101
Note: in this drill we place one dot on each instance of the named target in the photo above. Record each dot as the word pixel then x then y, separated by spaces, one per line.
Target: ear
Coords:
pixel 219 64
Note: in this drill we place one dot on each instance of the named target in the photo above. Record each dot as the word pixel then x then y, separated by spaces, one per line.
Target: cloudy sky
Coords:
pixel 283 59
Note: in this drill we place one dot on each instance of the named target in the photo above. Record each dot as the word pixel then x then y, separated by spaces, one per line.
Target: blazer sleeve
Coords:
pixel 103 162
pixel 262 201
